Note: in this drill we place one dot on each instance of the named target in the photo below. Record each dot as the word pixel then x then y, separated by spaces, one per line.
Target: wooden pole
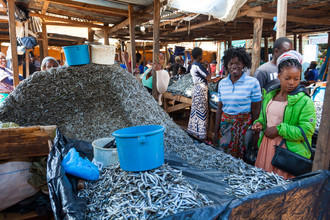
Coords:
pixel 266 49
pixel 144 54
pixel 90 35
pixel 256 44
pixel 322 153
pixel 166 55
pixel 106 35
pixel 230 41
pixel 13 40
pixel 300 43
pixel 41 50
pixel 281 18
pixel 156 46
pixel 45 39
pixel 218 55
pixel 295 41
pixel 27 55
pixel 132 35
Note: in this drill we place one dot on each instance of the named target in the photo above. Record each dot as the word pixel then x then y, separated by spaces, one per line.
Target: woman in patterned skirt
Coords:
pixel 199 114
pixel 239 103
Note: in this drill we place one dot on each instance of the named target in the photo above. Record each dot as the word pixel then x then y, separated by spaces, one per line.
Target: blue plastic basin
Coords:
pixel 76 55
pixel 140 148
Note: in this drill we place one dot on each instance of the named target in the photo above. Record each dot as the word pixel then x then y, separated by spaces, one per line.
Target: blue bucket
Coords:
pixel 76 55
pixel 140 148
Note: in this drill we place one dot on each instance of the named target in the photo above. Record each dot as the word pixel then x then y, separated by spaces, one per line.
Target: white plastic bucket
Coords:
pixel 106 156
pixel 103 54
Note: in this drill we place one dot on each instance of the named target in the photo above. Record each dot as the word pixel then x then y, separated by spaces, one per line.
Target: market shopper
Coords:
pixel 284 109
pixel 163 77
pixel 311 74
pixel 199 109
pixel 6 78
pixel 239 103
pixel 48 63
pixel 267 73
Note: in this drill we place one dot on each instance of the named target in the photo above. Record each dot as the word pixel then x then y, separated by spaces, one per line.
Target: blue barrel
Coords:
pixel 140 148
pixel 76 55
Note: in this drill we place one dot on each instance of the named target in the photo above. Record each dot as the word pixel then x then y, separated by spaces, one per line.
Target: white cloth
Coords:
pixel 163 79
pixel 4 74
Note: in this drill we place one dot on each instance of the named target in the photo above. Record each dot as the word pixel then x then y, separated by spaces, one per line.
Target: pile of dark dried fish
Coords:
pixel 183 86
pixel 145 195
pixel 318 109
pixel 91 101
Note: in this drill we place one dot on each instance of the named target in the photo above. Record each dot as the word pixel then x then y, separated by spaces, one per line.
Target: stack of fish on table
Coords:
pixel 318 109
pixel 91 101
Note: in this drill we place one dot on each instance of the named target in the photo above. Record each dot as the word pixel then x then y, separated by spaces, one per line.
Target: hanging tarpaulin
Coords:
pixel 224 10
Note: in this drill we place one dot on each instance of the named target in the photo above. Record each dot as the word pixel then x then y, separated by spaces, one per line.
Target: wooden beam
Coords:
pixel 69 21
pixel 156 35
pixel 295 41
pixel 281 18
pixel 26 141
pixel 45 7
pixel 256 44
pixel 196 26
pixel 315 5
pixel 300 43
pixel 90 7
pixel 176 19
pixel 132 36
pixel 106 35
pixel 178 98
pixel 266 49
pixel 177 107
pixel 13 40
pixel 124 23
pixel 44 40
pixel 295 19
pixel 322 153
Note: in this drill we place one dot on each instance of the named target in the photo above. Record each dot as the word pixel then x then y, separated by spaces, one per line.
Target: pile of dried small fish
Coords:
pixel 252 180
pixel 183 86
pixel 91 101
pixel 145 195
pixel 318 109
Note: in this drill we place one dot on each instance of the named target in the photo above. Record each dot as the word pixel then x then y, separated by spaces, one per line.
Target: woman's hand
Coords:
pixel 257 127
pixel 136 71
pixel 124 56
pixel 271 132
pixel 156 66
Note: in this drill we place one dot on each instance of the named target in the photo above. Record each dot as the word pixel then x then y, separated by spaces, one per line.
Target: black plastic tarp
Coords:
pixel 307 197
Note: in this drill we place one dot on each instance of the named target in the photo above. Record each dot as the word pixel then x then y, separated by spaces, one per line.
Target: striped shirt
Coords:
pixel 237 98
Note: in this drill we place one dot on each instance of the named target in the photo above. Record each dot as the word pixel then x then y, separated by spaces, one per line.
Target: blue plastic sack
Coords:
pixel 79 167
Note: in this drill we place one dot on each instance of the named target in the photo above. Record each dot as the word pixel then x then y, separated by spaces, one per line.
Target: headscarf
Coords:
pixel 44 61
pixel 292 54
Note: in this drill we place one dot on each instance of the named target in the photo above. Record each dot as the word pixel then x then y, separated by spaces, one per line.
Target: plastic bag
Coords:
pixel 79 167
pixel 29 42
pixel 63 187
pixel 14 186
pixel 224 10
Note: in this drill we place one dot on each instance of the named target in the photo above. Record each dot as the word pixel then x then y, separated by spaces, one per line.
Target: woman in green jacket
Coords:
pixel 285 108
